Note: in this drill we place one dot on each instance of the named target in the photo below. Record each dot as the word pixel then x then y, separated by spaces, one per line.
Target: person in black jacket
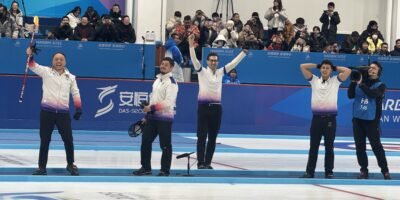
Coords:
pixel 330 19
pixel 126 33
pixel 396 51
pixel 317 41
pixel 372 27
pixel 84 31
pixel 368 92
pixel 62 32
pixel 350 45
pixel 115 14
pixel 106 32
pixel 92 15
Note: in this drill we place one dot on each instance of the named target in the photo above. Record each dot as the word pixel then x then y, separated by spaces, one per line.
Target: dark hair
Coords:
pixel 171 62
pixel 75 9
pixel 300 20
pixel 212 54
pixel 123 17
pixel 178 14
pixel 187 18
pixel 234 14
pixel 397 40
pixel 254 14
pixel 18 11
pixel 64 17
pixel 331 4
pixel 3 6
pixel 215 14
pixel 279 5
pixel 355 34
pixel 379 66
pixel 175 34
pixel 327 62
pixel 384 43
pixel 316 27
pixel 59 53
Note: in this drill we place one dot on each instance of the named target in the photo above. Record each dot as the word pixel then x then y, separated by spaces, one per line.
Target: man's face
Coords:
pixel 77 13
pixel 236 18
pixel 233 74
pixel 212 62
pixel 331 8
pixel 84 21
pixel 126 21
pixel 187 23
pixel 326 70
pixel 373 71
pixel 65 21
pixel 398 44
pixel 107 21
pixel 165 67
pixel 14 6
pixel 115 9
pixel 177 39
pixel 384 47
pixel 59 61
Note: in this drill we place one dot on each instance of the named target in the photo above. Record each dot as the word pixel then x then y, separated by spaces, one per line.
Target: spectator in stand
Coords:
pixel 230 35
pixel 172 51
pixel 288 32
pixel 125 31
pixel 207 34
pixel 106 32
pixel 92 16
pixel 187 29
pixel 335 47
pixel 384 51
pixel 396 50
pixel 364 48
pixel 217 19
pixel 374 43
pixel 372 27
pixel 251 42
pixel 329 49
pixel 317 41
pixel 220 42
pixel 173 22
pixel 84 31
pixel 300 26
pixel 350 45
pixel 330 19
pixel 256 26
pixel 115 14
pixel 8 27
pixel 62 32
pixel 300 45
pixel 276 16
pixel 199 19
pixel 16 14
pixel 238 23
pixel 303 35
pixel 231 77
pixel 277 43
pixel 74 17
pixel 244 34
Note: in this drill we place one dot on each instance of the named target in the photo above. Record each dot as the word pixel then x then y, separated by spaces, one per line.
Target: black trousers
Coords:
pixel 363 129
pixel 150 132
pixel 208 124
pixel 322 126
pixel 63 123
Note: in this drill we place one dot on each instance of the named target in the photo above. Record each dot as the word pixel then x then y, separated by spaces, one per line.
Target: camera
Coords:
pixel 358 72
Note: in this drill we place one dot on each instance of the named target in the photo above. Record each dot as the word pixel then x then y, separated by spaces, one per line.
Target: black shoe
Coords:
pixel 363 175
pixel 201 166
pixel 387 176
pixel 307 175
pixel 142 172
pixel 162 173
pixel 40 172
pixel 208 167
pixel 329 175
pixel 73 170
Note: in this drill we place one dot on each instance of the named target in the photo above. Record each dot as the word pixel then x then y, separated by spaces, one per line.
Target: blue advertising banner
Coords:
pixel 84 59
pixel 282 67
pixel 247 109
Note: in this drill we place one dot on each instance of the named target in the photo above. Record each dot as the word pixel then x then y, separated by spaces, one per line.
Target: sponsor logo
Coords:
pixel 105 91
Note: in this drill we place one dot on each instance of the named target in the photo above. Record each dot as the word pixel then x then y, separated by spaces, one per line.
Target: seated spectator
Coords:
pixel 173 22
pixel 384 51
pixel 288 32
pixel 199 19
pixel 251 42
pixel 328 49
pixel 372 27
pixel 207 34
pixel 92 16
pixel 317 41
pixel 256 26
pixel 244 34
pixel 364 48
pixel 220 42
pixel 335 47
pixel 217 19
pixel 276 16
pixel 17 16
pixel 300 46
pixel 63 31
pixel 277 44
pixel 231 77
pixel 396 50
pixel 374 42
pixel 8 27
pixel 84 31
pixel 300 34
pixel 107 31
pixel 330 19
pixel 115 14
pixel 350 44
pixel 126 33
pixel 74 17
pixel 188 28
pixel 238 23
pixel 230 35
pixel 300 26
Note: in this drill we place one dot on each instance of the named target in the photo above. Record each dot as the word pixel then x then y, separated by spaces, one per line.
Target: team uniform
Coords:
pixel 55 109
pixel 209 111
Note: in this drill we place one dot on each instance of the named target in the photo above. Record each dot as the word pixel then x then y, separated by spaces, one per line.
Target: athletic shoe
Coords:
pixel 142 172
pixel 40 172
pixel 73 170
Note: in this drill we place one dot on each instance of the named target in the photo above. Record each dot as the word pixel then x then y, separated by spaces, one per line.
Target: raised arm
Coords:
pixel 196 63
pixel 236 61
pixel 344 73
pixel 306 70
pixel 33 66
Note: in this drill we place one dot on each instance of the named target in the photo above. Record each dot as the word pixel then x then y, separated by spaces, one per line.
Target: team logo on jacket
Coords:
pixel 105 91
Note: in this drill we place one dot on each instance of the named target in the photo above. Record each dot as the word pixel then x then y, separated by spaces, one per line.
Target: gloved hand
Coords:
pixel 77 115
